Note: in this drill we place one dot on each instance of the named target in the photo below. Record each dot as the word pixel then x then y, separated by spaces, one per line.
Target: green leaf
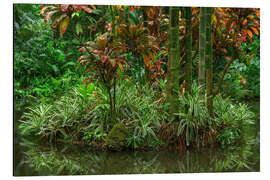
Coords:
pixel 79 28
pixel 75 14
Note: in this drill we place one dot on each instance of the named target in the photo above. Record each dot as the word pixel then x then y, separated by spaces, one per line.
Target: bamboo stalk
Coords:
pixel 209 61
pixel 188 43
pixel 202 37
pixel 174 57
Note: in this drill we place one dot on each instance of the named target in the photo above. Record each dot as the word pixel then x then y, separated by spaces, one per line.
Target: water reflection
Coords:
pixel 48 159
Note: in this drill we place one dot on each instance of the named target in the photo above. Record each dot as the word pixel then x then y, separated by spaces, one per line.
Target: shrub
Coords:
pixel 61 116
pixel 192 115
pixel 243 77
pixel 231 119
pixel 143 111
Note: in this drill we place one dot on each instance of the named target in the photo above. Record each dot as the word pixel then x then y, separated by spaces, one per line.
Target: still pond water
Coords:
pixel 34 159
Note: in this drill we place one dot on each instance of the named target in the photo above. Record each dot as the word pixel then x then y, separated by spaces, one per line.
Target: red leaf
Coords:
pixel 221 10
pixel 77 8
pixel 84 80
pixel 146 60
pixel 64 7
pixel 57 19
pixel 195 11
pixel 87 9
pixel 97 51
pixel 258 13
pixel 228 58
pixel 255 30
pixel 131 8
pixel 43 10
pixel 48 15
pixel 243 80
pixel 82 49
pixel 249 33
pixel 89 82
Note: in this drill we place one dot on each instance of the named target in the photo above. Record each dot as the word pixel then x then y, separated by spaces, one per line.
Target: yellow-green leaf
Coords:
pixel 63 25
pixel 214 19
pixel 249 58
pixel 121 67
pixel 244 22
pixel 79 28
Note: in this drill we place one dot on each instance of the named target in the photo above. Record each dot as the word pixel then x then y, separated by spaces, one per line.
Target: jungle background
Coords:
pixel 59 95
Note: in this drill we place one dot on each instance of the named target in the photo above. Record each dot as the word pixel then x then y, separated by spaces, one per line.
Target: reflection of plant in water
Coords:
pixel 233 162
pixel 51 160
pixel 51 163
pixel 146 164
pixel 70 160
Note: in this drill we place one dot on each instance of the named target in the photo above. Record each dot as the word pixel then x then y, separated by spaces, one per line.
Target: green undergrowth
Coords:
pixel 83 115
pixel 231 119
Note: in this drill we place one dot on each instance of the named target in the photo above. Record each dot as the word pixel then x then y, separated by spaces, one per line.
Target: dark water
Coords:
pixel 36 159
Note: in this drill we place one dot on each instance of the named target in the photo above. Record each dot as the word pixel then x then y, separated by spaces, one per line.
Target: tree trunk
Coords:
pixel 173 63
pixel 202 36
pixel 188 43
pixel 209 61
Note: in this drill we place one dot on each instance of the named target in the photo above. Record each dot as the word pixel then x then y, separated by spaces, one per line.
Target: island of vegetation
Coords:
pixel 135 77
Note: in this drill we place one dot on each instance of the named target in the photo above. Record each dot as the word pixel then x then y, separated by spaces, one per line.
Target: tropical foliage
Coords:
pixel 121 77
